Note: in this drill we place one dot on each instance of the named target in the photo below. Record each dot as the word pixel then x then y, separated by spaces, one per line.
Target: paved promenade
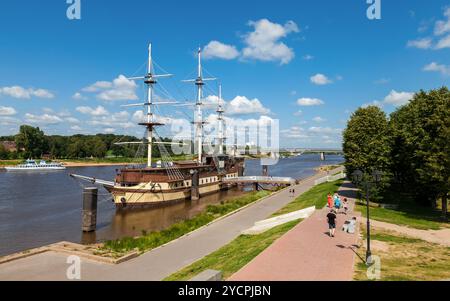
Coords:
pixel 158 263
pixel 307 252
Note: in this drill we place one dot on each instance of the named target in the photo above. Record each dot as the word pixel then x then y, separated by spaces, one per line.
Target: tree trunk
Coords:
pixel 444 207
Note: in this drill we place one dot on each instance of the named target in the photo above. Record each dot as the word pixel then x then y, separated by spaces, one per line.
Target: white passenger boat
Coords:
pixel 32 165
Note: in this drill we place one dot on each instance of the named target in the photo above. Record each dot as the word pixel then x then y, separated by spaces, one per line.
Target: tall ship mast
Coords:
pixel 174 180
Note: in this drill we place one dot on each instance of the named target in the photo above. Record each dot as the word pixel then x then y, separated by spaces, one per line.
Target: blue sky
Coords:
pixel 272 58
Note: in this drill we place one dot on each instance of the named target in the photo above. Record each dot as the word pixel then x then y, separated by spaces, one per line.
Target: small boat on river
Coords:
pixel 32 165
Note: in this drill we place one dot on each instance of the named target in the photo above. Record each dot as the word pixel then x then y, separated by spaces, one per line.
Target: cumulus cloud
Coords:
pixel 320 79
pixel 216 49
pixel 120 88
pixel 393 98
pixel 23 93
pixel 319 119
pixel 435 67
pixel 326 135
pixel 79 96
pixel 309 102
pixel 441 33
pixel 425 43
pixel 44 119
pixel 264 42
pixel 99 111
pixel 443 26
pixel 241 105
pixel 7 111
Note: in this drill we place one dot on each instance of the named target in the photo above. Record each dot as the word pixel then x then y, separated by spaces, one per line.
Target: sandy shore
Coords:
pixel 88 164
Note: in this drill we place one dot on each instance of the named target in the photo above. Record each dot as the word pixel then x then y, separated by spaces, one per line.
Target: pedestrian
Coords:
pixel 337 203
pixel 331 217
pixel 345 206
pixel 290 192
pixel 293 192
pixel 330 201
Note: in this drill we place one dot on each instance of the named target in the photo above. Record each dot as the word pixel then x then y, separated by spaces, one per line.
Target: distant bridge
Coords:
pixel 314 150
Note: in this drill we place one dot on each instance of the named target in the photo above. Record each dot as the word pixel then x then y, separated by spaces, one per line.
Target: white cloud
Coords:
pixel 398 98
pixel 308 57
pixel 320 79
pixel 99 111
pixel 382 81
pixel 298 113
pixel 72 120
pixel 393 98
pixel 110 130
pixel 264 42
pixel 435 67
pixel 425 43
pixel 22 93
pixel 319 119
pixel 79 96
pixel 76 128
pixel 42 119
pixel 443 43
pixel 309 102
pixel 97 86
pixel 7 111
pixel 120 88
pixel 242 105
pixel 443 26
pixel 216 49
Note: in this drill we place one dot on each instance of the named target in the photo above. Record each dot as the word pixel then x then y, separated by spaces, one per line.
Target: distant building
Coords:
pixel 10 146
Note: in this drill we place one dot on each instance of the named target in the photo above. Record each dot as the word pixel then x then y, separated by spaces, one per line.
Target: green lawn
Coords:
pixel 405 259
pixel 317 196
pixel 412 215
pixel 152 240
pixel 232 257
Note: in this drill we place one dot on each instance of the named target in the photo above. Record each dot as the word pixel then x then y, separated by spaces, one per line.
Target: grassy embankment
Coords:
pixel 408 213
pixel 404 258
pixel 148 241
pixel 232 257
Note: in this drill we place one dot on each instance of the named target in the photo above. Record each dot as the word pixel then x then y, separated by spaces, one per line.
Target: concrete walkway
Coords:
pixel 307 253
pixel 158 263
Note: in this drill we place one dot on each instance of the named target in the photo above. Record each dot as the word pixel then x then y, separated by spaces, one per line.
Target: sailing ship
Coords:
pixel 171 180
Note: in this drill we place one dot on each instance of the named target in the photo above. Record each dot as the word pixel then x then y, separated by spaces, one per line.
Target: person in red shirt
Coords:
pixel 330 201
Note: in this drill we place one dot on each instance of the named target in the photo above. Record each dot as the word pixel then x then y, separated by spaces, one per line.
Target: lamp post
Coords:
pixel 358 178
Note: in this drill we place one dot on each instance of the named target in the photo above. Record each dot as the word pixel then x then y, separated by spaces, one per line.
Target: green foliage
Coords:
pixel 32 140
pixel 412 148
pixel 421 145
pixel 316 196
pixel 366 144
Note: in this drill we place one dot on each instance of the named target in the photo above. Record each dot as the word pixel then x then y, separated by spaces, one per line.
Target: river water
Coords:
pixel 40 208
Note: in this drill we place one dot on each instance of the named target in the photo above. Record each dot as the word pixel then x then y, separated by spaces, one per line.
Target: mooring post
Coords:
pixel 265 171
pixel 89 218
pixel 195 193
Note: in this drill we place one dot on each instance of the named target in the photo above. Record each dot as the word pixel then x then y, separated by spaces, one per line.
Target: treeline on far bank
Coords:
pixel 411 147
pixel 31 142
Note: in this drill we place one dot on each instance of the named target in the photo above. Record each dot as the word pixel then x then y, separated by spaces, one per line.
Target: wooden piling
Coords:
pixel 89 215
pixel 195 193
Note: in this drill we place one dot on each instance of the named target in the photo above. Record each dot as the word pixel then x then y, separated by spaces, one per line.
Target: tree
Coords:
pixel 32 140
pixel 4 154
pixel 421 145
pixel 366 140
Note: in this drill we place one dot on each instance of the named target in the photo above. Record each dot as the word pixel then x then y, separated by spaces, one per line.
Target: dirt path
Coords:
pixel 441 237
